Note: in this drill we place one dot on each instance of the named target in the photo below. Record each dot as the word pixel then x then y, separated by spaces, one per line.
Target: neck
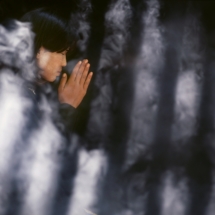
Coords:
pixel 41 81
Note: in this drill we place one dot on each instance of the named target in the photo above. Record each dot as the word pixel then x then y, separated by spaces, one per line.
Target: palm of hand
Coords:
pixel 73 91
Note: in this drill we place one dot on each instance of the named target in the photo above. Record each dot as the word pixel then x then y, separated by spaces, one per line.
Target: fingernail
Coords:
pixel 64 75
pixel 86 60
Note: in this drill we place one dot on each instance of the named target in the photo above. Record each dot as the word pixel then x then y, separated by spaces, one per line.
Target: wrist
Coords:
pixel 69 103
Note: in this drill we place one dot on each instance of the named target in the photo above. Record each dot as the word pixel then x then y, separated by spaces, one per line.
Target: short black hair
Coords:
pixel 51 28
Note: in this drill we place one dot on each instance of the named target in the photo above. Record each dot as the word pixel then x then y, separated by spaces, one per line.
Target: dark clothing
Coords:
pixel 61 113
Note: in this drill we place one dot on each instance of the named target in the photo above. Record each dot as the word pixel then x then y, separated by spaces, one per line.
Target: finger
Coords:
pixel 84 75
pixel 75 71
pixel 87 82
pixel 62 82
pixel 81 70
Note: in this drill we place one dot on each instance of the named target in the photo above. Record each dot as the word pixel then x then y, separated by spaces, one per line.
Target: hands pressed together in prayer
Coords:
pixel 73 90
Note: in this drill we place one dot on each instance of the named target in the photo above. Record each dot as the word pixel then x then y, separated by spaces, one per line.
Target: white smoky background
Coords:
pixel 117 23
pixel 33 162
pixel 26 154
pixel 31 145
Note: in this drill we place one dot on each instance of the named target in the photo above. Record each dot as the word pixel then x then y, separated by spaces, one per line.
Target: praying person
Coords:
pixel 51 44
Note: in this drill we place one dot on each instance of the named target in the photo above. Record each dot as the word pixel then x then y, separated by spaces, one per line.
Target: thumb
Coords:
pixel 62 82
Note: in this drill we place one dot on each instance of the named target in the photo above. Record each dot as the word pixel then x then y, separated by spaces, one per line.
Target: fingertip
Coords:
pixel 64 75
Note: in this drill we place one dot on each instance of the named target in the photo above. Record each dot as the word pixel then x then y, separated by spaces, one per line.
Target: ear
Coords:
pixel 38 54
pixel 40 51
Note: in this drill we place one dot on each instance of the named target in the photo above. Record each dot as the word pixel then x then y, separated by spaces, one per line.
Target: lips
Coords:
pixel 58 73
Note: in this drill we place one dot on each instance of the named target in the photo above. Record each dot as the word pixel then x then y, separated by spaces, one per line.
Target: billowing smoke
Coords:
pixel 33 149
pixel 117 20
pixel 116 33
pixel 80 23
pixel 147 70
pixel 174 195
pixel 189 83
pixel 29 144
pixel 146 145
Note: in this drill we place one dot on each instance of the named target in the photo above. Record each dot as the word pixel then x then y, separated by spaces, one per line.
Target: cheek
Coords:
pixel 43 61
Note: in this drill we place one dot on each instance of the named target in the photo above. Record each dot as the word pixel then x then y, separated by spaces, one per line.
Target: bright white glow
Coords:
pixel 173 196
pixel 12 123
pixel 188 87
pixel 90 169
pixel 40 166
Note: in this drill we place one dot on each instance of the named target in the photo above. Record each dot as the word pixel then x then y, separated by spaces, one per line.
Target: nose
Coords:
pixel 64 62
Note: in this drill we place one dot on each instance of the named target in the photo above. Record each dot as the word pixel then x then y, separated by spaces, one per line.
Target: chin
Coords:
pixel 49 78
pixel 53 80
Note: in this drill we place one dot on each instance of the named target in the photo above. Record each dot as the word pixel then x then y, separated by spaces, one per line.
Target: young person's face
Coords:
pixel 50 63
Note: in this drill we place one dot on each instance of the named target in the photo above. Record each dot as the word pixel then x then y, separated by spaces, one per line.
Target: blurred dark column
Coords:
pixel 200 165
pixel 97 32
pixel 123 92
pixel 17 188
pixel 173 22
pixel 97 21
pixel 64 187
